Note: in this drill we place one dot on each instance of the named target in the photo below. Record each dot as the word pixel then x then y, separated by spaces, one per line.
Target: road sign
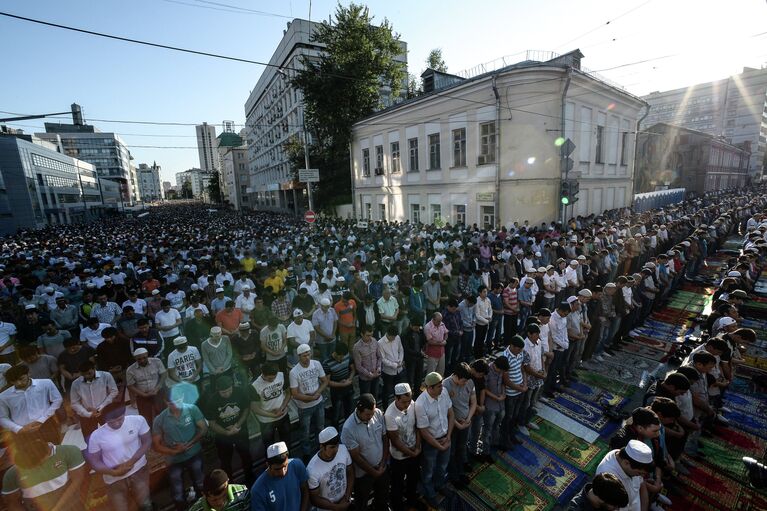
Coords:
pixel 309 175
pixel 310 217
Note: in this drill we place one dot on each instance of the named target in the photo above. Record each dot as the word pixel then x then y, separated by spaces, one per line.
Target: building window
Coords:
pixel 394 156
pixel 459 214
pixel 436 213
pixel 368 210
pixel 382 211
pixel 434 159
pixel 366 162
pixel 415 213
pixel 459 147
pixel 379 160
pixel 486 143
pixel 624 147
pixel 413 148
pixel 487 215
pixel 600 144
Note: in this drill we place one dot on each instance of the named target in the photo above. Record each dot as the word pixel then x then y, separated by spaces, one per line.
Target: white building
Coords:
pixel 485 150
pixel 206 146
pixel 233 162
pixel 149 182
pixel 734 108
pixel 199 180
pixel 274 113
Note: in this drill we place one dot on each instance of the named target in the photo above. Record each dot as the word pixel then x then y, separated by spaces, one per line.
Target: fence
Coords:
pixel 659 199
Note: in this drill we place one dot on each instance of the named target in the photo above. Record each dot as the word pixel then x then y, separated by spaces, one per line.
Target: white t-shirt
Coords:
pixel 184 363
pixel 169 318
pixel 536 354
pixel 609 464
pixel 139 306
pixel 301 332
pixel 329 476
pixel 93 337
pixel 404 424
pixel 176 299
pixel 119 445
pixel 271 395
pixel 6 331
pixel 307 381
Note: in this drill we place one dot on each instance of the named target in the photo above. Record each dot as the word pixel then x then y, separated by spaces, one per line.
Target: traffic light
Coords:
pixel 568 193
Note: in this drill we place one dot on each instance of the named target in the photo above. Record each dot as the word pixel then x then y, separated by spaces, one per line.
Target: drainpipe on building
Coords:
pixel 636 150
pixel 562 158
pixel 351 173
pixel 497 203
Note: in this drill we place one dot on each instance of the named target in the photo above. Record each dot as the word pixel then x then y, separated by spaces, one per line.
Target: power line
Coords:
pixel 245 9
pixel 604 24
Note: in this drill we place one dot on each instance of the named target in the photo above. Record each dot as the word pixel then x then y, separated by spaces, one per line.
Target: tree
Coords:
pixel 342 87
pixel 414 86
pixel 214 188
pixel 435 61
pixel 171 195
pixel 186 189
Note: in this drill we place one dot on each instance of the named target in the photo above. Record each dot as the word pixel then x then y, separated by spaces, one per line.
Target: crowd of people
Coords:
pixel 406 351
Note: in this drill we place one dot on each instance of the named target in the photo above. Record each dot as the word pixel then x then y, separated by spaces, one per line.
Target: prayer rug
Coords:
pixel 550 474
pixel 720 491
pixel 499 487
pixel 586 413
pixel 594 394
pixel 754 424
pixel 576 451
pixel 630 375
pixel 608 384
pixel 753 404
pixel 746 442
pixel 570 425
pixel 650 353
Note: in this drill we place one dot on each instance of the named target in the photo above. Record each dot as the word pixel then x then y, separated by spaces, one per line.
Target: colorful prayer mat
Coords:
pixel 584 412
pixel 499 487
pixel 754 424
pixel 746 442
pixel 579 453
pixel 608 384
pixel 650 353
pixel 720 491
pixel 595 394
pixel 550 474
pixel 751 404
pixel 630 375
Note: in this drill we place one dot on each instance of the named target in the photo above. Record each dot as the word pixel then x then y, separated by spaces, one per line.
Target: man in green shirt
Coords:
pixel 219 495
pixel 177 433
pixel 45 476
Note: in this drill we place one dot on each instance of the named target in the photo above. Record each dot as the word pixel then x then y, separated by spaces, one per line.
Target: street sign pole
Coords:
pixel 306 161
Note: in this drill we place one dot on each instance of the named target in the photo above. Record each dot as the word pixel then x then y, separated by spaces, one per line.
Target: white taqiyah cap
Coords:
pixel 402 388
pixel 140 351
pixel 328 434
pixel 275 450
pixel 571 299
pixel 727 321
pixel 303 348
pixel 178 341
pixel 639 451
pixel 297 313
pixel 325 302
pixel 733 274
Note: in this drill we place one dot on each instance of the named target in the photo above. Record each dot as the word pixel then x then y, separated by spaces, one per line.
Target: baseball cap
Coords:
pixel 303 348
pixel 328 434
pixel 402 388
pixel 297 313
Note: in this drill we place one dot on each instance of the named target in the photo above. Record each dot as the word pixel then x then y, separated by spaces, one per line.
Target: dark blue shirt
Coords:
pixel 496 303
pixel 279 493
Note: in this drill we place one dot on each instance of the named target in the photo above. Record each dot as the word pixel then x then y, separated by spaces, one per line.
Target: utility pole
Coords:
pixel 306 153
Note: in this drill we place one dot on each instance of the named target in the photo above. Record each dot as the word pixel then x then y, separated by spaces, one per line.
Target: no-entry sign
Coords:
pixel 310 217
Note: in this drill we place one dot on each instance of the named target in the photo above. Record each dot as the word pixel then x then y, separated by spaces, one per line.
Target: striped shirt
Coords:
pixel 510 301
pixel 515 370
pixel 338 371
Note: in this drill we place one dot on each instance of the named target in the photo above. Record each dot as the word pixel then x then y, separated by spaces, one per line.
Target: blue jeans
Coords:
pixel 494 332
pixel 176 477
pixel 433 469
pixel 325 349
pixel 307 416
pixel 474 432
pixel 491 428
pixel 467 340
pixel 513 410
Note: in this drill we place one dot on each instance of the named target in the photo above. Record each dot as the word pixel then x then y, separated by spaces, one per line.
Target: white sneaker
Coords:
pixel 664 500
pixel 524 431
pixel 724 409
pixel 543 399
pixel 605 354
pixel 533 426
pixel 599 358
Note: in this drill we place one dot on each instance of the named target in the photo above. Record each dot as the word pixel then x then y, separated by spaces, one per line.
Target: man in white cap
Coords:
pixel 325 323
pixel 217 354
pixel 364 434
pixel 631 465
pixel 307 383
pixel 283 486
pixel 435 422
pixel 331 479
pixel 300 332
pixel 184 362
pixel 145 379
pixel 246 301
pixel 404 446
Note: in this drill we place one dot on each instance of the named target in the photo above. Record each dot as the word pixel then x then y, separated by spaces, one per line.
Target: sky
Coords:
pixel 644 45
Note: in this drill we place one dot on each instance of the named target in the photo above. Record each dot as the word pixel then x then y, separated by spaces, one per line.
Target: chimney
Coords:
pixel 77 115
